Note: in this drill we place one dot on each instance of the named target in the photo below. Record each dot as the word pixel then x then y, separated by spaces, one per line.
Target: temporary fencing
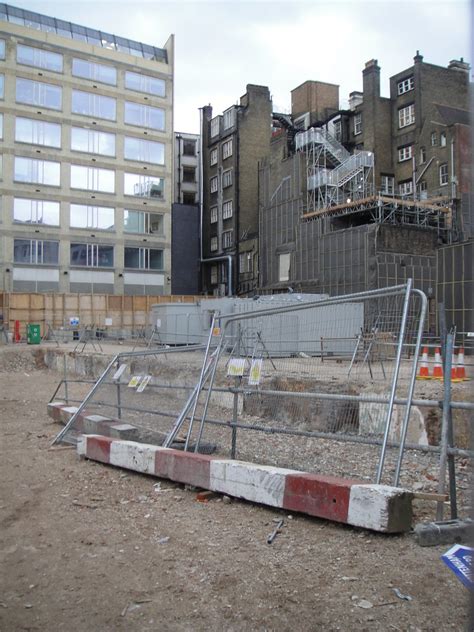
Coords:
pixel 324 387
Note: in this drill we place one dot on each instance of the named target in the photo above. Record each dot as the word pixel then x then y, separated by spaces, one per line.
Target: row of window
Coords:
pixel 94 71
pixel 406 152
pixel 228 121
pixel 406 187
pixel 227 180
pixel 89 141
pixel 406 116
pixel 49 96
pixel 226 152
pixel 46 252
pixel 48 173
pixel 47 212
pixel 227 240
pixel 227 211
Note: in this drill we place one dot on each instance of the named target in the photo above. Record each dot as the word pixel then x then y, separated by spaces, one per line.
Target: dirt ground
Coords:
pixel 88 547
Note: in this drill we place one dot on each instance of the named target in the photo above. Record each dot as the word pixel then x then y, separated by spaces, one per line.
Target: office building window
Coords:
pixel 405 85
pixel 213 184
pixel 284 267
pixel 337 130
pixel 93 71
pixel 405 153
pixel 227 209
pixel 2 49
pixel 96 217
pixel 92 255
pixel 92 141
pixel 406 116
pixel 144 150
pixel 358 124
pixel 434 139
pixel 40 58
pixel 143 258
pixel 144 116
pixel 442 139
pixel 227 238
pixel 37 171
pixel 229 118
pixel 215 126
pixel 95 105
pixel 2 86
pixel 189 197
pixel 227 178
pixel 145 83
pixel 43 212
pixel 443 174
pixel 227 149
pixel 1 126
pixel 189 147
pixel 213 244
pixel 213 275
pixel 245 262
pixel 213 156
pixel 36 251
pixel 388 183
pixel 37 132
pixel 142 222
pixel 37 93
pixel 143 186
pixel 214 211
pixel 422 155
pixel 189 174
pixel 92 179
pixel 406 187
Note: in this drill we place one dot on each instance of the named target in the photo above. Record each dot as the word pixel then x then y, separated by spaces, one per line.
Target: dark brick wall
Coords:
pixel 185 267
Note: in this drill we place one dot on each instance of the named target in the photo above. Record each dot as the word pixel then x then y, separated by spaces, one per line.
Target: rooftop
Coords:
pixel 81 33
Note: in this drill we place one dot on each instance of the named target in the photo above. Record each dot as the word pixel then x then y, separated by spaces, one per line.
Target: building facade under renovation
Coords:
pixel 363 197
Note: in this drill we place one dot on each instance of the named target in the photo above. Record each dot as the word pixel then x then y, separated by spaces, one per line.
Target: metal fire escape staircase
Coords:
pixel 333 175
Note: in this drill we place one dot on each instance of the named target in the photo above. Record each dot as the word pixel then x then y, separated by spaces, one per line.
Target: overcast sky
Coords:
pixel 222 46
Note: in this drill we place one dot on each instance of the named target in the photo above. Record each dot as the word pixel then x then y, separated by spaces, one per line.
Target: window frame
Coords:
pixel 213 214
pixel 227 209
pixel 95 68
pixel 227 178
pixel 443 174
pixel 357 123
pixel 406 85
pixel 146 223
pixel 144 258
pixel 405 153
pixel 213 156
pixel 227 238
pixel 94 109
pixel 92 254
pixel 213 184
pixel 94 174
pixel 36 207
pixel 92 211
pixel 227 149
pixel 37 253
pixel 35 137
pixel 36 164
pixel 406 116
pixel 40 94
pixel 42 55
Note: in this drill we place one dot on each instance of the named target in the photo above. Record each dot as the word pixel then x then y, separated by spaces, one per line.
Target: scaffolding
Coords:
pixel 333 175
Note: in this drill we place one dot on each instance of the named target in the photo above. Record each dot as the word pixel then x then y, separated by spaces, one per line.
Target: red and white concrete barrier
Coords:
pixel 377 507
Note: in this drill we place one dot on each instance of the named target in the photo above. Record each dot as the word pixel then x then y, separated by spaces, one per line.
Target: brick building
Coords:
pixel 232 146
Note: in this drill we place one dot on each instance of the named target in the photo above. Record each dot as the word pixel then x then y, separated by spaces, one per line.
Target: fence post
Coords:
pixel 66 392
pixel 119 399
pixel 395 379
pixel 445 429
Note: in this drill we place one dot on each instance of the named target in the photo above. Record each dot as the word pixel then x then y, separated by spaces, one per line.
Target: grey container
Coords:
pixel 178 323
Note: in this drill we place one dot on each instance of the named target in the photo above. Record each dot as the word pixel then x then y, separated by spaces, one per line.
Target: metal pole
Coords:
pixel 411 387
pixel 119 398
pixel 235 419
pixel 395 379
pixel 201 380
pixel 445 425
pixel 89 396
pixel 66 391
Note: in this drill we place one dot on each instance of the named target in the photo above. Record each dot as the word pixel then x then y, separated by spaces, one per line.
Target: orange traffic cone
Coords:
pixel 424 373
pixel 453 367
pixel 438 366
pixel 460 368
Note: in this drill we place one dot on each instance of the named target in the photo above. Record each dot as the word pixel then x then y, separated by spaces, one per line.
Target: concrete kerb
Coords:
pixel 92 424
pixel 377 507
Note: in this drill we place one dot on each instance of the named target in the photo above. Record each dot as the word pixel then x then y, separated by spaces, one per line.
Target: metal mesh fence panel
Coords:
pixel 291 385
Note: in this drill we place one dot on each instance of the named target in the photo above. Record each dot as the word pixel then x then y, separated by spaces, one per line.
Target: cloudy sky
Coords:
pixel 222 46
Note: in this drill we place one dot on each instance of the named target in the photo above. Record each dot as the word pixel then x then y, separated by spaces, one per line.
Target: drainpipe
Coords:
pixel 227 258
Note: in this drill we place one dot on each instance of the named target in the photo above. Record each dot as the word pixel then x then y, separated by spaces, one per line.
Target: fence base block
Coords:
pixel 376 507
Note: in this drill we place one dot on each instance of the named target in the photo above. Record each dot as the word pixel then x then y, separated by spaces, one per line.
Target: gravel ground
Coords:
pixel 89 547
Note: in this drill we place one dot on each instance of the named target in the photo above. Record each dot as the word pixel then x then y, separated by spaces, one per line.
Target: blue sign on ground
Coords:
pixel 459 560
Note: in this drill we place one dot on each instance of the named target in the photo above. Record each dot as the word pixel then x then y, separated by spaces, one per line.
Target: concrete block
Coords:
pixel 54 410
pixel 321 496
pixel 133 456
pixel 257 483
pixel 123 431
pixel 445 532
pixel 381 508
